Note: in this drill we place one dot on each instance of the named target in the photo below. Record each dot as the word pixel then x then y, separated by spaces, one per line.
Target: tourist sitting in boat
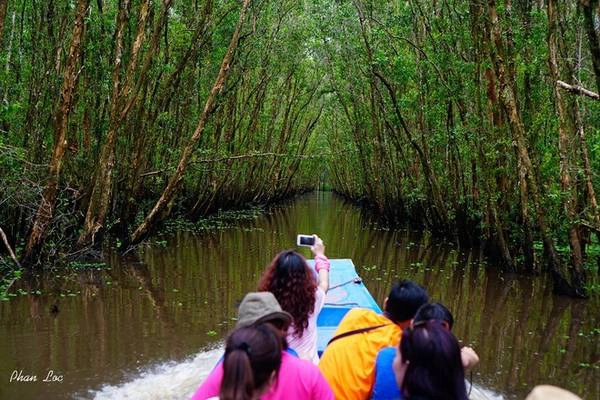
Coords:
pixel 385 387
pixel 251 363
pixel 293 283
pixel 348 362
pixel 438 311
pixel 296 379
pixel 428 364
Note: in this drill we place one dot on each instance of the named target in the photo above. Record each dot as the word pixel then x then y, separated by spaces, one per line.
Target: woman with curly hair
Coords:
pixel 300 293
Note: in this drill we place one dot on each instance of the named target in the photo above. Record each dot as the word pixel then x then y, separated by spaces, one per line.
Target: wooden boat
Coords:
pixel 346 291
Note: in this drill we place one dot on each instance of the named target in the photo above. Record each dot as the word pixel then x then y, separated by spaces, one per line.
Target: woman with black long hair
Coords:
pixel 251 363
pixel 428 364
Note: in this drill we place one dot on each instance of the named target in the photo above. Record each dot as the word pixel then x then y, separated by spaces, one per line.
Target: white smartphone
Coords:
pixel 305 240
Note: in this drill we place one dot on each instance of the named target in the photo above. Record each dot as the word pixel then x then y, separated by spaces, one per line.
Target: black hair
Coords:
pixel 435 311
pixel 404 300
pixel 433 365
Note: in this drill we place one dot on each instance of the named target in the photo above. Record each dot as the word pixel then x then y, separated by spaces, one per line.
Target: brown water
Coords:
pixel 143 327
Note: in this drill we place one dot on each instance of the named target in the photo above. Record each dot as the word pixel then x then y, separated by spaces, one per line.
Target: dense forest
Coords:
pixel 115 114
pixel 478 120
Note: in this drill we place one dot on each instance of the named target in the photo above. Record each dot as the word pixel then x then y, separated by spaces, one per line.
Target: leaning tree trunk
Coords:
pixel 163 206
pixel 47 204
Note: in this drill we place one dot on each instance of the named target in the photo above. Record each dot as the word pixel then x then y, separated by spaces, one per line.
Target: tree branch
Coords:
pixel 578 90
pixel 591 226
pixel 10 250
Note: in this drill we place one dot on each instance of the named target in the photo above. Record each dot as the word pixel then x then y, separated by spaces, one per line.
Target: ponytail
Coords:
pixel 238 379
pixel 251 356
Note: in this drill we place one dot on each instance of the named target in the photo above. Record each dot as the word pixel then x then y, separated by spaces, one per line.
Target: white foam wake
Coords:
pixel 179 380
pixel 168 381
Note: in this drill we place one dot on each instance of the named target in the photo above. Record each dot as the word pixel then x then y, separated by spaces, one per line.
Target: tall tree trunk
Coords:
pixel 47 204
pixel 529 261
pixel 163 206
pixel 527 244
pixel 8 56
pixel 126 97
pixel 3 6
pixel 527 87
pixel 493 219
pixel 592 34
pixel 102 190
pixel 587 167
pixel 590 13
pixel 570 193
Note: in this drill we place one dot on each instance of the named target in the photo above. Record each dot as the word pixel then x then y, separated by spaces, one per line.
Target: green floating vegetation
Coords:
pixel 593 288
pixel 590 334
pixel 222 219
pixel 77 265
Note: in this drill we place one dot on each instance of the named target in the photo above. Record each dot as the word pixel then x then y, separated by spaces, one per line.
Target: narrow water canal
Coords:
pixel 146 328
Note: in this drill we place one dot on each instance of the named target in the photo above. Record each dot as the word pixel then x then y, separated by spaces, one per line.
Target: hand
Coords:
pixel 468 357
pixel 318 249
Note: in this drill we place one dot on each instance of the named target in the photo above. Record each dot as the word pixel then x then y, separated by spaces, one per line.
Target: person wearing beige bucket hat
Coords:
pixel 296 379
pixel 259 307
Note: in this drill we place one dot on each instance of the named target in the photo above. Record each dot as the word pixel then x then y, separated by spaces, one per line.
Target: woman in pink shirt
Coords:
pixel 301 294
pixel 251 363
pixel 296 379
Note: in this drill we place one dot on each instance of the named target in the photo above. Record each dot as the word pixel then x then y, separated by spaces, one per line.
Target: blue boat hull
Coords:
pixel 346 291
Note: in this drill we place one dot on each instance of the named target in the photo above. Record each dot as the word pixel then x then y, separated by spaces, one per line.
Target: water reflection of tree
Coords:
pixel 513 377
pixel 155 294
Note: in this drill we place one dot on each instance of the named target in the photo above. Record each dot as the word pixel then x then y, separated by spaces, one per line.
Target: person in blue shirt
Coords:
pixel 385 387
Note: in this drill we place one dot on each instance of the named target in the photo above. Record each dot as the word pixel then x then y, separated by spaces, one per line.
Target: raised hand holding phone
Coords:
pixel 322 264
pixel 318 248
